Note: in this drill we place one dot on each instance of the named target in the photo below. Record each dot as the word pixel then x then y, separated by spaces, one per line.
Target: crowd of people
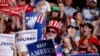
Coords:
pixel 76 30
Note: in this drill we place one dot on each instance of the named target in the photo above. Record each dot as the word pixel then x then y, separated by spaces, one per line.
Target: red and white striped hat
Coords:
pixel 55 25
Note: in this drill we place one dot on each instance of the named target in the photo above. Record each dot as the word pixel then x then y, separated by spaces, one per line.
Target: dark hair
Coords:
pixel 90 26
pixel 76 14
pixel 27 1
pixel 70 26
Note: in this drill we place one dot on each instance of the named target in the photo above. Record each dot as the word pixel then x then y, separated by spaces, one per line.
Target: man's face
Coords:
pixel 54 14
pixel 79 16
pixel 73 32
pixel 51 34
pixel 68 2
pixel 92 5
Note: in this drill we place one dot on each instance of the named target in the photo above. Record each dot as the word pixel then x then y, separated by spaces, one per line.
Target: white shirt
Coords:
pixel 87 13
pixel 48 6
pixel 69 10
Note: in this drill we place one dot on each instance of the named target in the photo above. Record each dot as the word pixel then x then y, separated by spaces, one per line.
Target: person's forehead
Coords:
pixel 85 26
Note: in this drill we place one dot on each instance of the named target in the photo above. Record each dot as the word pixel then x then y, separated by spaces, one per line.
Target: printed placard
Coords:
pixel 4 3
pixel 6 44
pixel 42 48
pixel 31 19
pixel 25 37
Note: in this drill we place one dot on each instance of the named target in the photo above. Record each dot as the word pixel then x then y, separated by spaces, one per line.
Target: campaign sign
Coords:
pixel 30 18
pixel 4 3
pixel 42 48
pixel 13 10
pixel 6 43
pixel 25 37
pixel 36 2
pixel 85 54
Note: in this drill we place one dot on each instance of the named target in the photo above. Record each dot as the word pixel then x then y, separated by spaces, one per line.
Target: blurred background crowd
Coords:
pixel 75 25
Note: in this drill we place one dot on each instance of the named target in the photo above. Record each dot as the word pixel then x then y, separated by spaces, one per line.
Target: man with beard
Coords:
pixel 91 12
pixel 53 32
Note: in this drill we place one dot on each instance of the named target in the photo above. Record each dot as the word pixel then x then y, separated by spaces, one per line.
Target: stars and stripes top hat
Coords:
pixel 56 25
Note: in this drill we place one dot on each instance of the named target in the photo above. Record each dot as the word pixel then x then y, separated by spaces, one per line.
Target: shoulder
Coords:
pixel 93 39
pixel 85 9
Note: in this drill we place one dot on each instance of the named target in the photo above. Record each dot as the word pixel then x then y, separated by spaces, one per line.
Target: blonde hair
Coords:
pixel 39 5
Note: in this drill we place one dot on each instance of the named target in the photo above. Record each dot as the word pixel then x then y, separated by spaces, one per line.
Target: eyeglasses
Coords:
pixel 51 31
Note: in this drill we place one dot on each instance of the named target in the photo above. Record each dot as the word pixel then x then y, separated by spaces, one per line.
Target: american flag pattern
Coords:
pixel 55 23
pixel 40 18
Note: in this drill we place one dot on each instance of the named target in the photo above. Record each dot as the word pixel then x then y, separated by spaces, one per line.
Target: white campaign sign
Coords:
pixel 25 37
pixel 6 44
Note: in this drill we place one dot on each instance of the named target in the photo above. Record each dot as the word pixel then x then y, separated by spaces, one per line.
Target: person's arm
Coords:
pixel 23 22
pixel 96 25
pixel 1 24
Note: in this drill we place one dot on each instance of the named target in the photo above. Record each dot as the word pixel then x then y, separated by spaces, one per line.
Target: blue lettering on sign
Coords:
pixel 6 43
pixel 28 32
pixel 26 39
pixel 6 36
